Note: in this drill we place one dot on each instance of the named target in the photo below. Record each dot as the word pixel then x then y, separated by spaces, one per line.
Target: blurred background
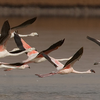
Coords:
pixel 68 8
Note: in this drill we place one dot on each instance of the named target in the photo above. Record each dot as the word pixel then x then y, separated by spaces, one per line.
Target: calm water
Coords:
pixel 24 85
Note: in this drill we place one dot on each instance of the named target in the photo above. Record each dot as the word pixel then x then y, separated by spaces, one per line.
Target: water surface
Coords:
pixel 24 85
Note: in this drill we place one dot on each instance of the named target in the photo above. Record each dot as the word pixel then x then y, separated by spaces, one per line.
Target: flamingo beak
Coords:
pixel 29 67
pixel 92 71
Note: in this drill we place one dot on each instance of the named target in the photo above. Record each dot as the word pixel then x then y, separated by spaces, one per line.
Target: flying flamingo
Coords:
pixel 25 35
pixel 24 24
pixel 5 35
pixel 67 68
pixel 97 42
pixel 10 67
pixel 35 56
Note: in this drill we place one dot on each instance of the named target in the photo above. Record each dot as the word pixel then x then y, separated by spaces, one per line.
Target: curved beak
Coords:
pixel 92 71
pixel 29 67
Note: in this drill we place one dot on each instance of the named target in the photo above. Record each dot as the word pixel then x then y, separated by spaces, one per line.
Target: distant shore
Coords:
pixel 52 11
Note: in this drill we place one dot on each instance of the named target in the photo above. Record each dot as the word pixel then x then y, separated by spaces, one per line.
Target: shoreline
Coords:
pixel 73 11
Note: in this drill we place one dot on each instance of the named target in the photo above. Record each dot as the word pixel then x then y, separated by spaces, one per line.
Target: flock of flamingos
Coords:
pixel 33 55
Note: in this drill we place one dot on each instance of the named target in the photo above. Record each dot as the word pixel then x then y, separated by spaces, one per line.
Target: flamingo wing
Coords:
pixel 58 65
pixel 15 64
pixel 26 23
pixel 74 58
pixel 22 45
pixel 52 47
pixel 5 35
pixel 49 59
pixel 94 40
pixel 18 42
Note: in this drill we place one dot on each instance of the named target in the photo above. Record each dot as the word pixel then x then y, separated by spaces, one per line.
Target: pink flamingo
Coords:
pixel 35 56
pixel 67 68
pixel 5 35
pixel 11 67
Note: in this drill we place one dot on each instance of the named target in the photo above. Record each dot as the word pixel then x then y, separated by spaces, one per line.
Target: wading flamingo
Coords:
pixel 67 68
pixel 5 35
pixel 97 42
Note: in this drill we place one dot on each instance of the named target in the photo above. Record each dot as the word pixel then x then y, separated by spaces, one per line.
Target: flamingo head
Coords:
pixel 30 49
pixel 92 71
pixel 33 34
pixel 25 66
pixel 96 63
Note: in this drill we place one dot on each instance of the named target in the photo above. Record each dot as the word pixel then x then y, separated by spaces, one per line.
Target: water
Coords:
pixel 24 85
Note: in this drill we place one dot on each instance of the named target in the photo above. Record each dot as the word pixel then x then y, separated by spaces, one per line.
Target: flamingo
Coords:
pixel 64 69
pixel 34 55
pixel 5 35
pixel 26 23
pixel 24 35
pixel 97 42
pixel 10 67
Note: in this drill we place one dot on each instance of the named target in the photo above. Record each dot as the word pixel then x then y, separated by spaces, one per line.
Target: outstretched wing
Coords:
pixel 18 42
pixel 58 65
pixel 22 45
pixel 75 57
pixel 49 59
pixel 94 40
pixel 5 35
pixel 26 23
pixel 52 47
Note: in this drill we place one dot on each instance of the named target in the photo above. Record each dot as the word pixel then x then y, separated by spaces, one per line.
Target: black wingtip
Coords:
pixel 48 58
pixel 61 42
pixel 26 23
pixel 16 64
pixel 18 42
pixel 75 56
pixel 6 25
pixel 88 37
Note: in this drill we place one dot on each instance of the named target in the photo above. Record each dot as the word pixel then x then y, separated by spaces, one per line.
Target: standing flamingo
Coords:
pixel 67 68
pixel 5 35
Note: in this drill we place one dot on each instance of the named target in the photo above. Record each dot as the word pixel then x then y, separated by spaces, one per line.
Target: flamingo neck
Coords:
pixel 16 54
pixel 64 59
pixel 2 48
pixel 79 72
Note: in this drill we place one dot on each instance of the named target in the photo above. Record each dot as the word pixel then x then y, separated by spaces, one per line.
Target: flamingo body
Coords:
pixel 38 57
pixel 67 68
